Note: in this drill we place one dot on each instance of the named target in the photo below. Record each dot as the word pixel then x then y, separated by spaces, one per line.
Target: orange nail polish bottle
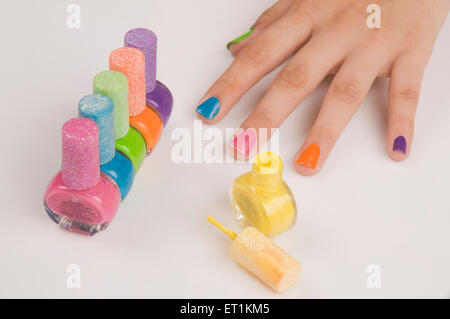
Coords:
pixel 150 125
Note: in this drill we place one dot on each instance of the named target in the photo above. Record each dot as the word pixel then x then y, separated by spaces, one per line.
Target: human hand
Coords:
pixel 322 37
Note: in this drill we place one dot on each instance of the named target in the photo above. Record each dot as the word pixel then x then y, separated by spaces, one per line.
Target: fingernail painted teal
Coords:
pixel 209 108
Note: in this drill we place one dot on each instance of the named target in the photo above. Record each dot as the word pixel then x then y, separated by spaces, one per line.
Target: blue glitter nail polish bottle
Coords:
pixel 99 108
pixel 121 170
pixel 114 163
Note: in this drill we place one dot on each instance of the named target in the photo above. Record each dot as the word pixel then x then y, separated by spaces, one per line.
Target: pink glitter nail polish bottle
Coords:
pixel 80 198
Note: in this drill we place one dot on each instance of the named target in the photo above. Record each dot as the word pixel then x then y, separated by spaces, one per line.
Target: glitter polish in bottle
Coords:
pixel 114 85
pixel 260 198
pixel 131 62
pixel 80 198
pixel 99 108
pixel 158 97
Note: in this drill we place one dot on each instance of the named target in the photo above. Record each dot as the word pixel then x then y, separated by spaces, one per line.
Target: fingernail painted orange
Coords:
pixel 310 156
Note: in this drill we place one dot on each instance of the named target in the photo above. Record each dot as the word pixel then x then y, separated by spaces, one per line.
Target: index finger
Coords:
pixel 268 50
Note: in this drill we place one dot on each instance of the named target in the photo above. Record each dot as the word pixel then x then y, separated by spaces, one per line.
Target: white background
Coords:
pixel 362 209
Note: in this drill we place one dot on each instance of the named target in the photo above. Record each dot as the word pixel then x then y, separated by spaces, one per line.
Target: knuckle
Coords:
pixel 407 93
pixel 418 37
pixel 263 120
pixel 414 31
pixel 300 17
pixel 325 133
pixel 293 77
pixel 298 14
pixel 268 16
pixel 403 123
pixel 305 10
pixel 347 92
pixel 229 84
pixel 313 5
pixel 253 54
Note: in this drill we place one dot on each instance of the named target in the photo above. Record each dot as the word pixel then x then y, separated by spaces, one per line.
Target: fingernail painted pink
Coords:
pixel 244 142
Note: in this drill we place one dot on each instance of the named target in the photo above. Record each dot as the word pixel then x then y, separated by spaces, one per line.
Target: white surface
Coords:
pixel 361 209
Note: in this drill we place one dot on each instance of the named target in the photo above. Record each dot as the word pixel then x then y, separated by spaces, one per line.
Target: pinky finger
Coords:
pixel 404 91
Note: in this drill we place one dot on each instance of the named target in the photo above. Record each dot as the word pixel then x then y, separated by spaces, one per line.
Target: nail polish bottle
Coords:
pixel 114 85
pixel 262 257
pixel 117 166
pixel 161 100
pixel 121 170
pixel 149 124
pixel 99 108
pixel 158 95
pixel 132 146
pixel 131 62
pixel 80 198
pixel 260 198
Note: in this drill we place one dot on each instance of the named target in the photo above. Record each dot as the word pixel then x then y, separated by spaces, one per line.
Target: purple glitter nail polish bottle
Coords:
pixel 158 96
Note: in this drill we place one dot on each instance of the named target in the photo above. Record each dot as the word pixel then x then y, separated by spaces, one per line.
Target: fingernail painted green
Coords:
pixel 240 38
pixel 133 146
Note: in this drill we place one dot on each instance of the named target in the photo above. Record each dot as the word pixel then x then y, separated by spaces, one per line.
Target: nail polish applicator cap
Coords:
pixel 144 40
pixel 131 62
pixel 267 168
pixel 114 85
pixel 99 108
pixel 261 257
pixel 80 154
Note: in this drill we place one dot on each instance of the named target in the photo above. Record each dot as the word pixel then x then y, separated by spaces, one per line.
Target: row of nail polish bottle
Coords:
pixel 118 126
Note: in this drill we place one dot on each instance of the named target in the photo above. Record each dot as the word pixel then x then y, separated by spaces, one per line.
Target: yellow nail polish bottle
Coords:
pixel 260 198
